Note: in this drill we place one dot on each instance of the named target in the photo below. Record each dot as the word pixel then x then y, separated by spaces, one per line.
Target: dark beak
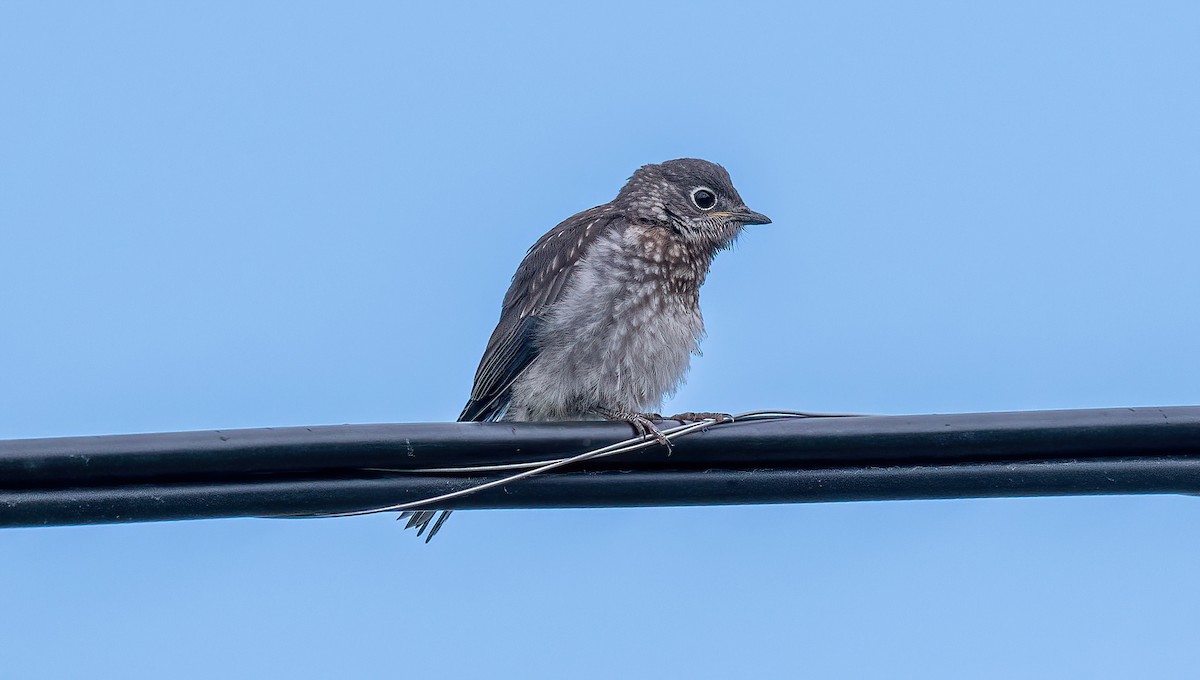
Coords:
pixel 748 216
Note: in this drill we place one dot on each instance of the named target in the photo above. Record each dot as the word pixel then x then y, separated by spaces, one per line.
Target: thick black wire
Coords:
pixel 537 467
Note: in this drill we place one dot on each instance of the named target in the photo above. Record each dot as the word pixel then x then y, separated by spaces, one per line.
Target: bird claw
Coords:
pixel 643 423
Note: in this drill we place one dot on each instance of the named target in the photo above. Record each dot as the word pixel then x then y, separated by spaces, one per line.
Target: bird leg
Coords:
pixel 642 422
pixel 696 416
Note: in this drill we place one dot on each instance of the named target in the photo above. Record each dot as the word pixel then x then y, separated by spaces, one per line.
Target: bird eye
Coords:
pixel 704 198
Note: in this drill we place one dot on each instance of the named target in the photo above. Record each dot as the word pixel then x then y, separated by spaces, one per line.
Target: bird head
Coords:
pixel 694 197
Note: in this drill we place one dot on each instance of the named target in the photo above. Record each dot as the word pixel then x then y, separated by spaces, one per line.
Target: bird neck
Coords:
pixel 660 255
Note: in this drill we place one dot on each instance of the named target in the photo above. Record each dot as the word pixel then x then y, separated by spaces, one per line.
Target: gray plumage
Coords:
pixel 603 314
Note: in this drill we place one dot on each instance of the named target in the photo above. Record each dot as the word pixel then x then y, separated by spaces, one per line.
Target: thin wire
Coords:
pixel 621 447
pixel 537 467
pixel 601 452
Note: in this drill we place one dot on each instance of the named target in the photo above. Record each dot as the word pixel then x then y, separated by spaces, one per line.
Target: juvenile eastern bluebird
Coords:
pixel 603 314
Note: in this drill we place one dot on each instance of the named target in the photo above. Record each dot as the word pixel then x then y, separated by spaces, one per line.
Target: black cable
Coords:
pixel 339 469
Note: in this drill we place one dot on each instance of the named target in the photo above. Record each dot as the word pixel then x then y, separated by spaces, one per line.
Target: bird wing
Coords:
pixel 538 283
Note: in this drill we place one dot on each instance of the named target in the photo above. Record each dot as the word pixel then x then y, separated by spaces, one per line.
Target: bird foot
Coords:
pixel 695 416
pixel 643 423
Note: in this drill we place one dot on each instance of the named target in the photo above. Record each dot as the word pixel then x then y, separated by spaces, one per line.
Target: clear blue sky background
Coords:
pixel 225 214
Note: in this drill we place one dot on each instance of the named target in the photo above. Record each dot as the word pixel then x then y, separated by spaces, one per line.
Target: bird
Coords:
pixel 603 314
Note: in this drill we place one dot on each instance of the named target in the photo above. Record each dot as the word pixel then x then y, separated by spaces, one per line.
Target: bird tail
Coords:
pixel 422 518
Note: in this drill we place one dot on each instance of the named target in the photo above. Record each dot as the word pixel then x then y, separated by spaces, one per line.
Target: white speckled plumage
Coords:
pixel 617 339
pixel 603 314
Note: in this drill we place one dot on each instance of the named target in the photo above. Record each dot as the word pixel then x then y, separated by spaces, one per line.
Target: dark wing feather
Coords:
pixel 538 283
pixel 505 360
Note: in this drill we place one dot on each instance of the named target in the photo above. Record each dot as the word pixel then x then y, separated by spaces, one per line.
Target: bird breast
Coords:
pixel 622 335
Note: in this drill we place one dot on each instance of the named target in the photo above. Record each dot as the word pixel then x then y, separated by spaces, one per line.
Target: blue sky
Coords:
pixel 219 215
